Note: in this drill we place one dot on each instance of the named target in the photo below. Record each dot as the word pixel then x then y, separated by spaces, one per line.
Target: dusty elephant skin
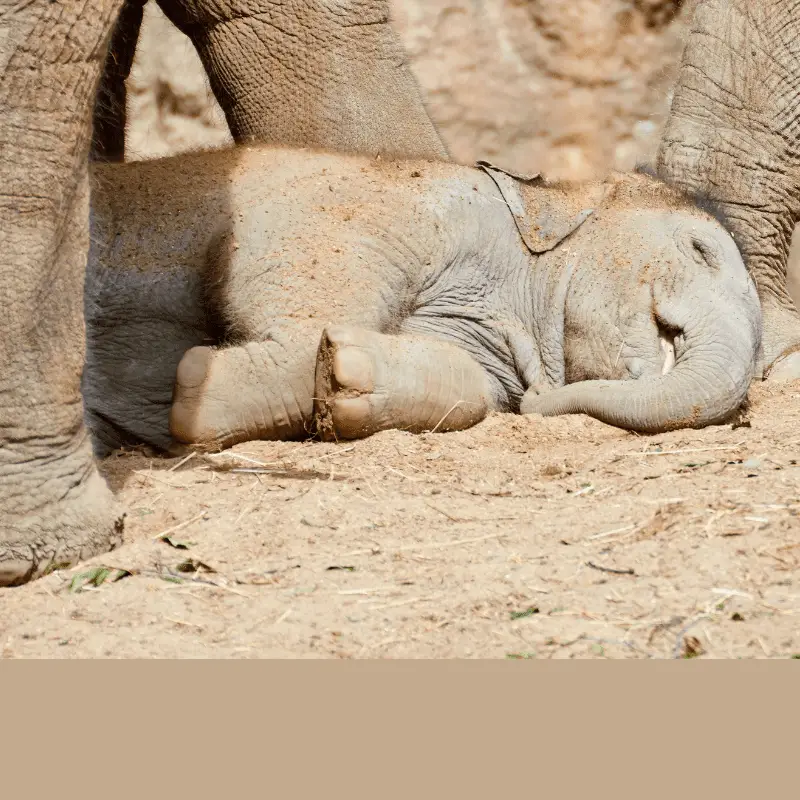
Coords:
pixel 54 507
pixel 418 295
pixel 732 134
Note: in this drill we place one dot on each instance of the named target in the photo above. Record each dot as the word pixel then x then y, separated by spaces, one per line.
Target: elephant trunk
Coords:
pixel 648 405
pixel 714 367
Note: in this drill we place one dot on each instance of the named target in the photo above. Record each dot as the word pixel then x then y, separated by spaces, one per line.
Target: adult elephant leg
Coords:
pixel 313 73
pixel 54 507
pixel 110 112
pixel 732 135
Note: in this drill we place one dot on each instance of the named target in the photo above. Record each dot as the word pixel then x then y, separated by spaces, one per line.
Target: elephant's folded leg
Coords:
pixel 368 382
pixel 260 390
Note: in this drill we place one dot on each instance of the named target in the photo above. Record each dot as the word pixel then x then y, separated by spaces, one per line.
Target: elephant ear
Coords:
pixel 545 213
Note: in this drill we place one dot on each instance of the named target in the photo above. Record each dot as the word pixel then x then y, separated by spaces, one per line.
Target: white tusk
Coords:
pixel 668 348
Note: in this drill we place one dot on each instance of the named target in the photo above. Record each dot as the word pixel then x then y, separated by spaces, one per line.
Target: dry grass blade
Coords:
pixel 470 519
pixel 682 452
pixel 180 526
pixel 623 529
pixel 449 412
pixel 408 602
pixel 182 462
pixel 240 457
pixel 455 543
pixel 337 452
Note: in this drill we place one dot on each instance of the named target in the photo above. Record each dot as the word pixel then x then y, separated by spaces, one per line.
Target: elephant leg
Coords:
pixel 368 382
pixel 311 73
pixel 781 359
pixel 110 110
pixel 260 390
pixel 730 138
pixel 54 507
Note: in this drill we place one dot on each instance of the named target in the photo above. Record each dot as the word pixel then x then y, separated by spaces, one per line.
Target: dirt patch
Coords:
pixel 567 88
pixel 521 538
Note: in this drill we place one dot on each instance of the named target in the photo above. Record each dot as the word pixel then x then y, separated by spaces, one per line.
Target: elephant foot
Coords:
pixel 786 368
pixel 195 417
pixel 780 344
pixel 82 522
pixel 256 391
pixel 366 382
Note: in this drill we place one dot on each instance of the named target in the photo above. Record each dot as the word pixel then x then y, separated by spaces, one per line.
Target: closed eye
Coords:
pixel 700 247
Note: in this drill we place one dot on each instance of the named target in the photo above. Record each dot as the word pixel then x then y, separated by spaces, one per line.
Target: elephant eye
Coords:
pixel 699 246
pixel 702 250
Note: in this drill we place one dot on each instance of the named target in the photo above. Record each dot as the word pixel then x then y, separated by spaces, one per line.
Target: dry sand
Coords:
pixel 521 538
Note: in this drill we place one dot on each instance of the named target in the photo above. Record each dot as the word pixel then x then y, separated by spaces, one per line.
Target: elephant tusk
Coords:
pixel 668 348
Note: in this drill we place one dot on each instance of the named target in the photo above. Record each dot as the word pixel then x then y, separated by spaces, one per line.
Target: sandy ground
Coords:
pixel 521 538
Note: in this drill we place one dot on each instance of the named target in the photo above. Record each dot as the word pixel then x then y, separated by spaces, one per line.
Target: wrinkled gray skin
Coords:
pixel 327 73
pixel 313 72
pixel 733 135
pixel 354 295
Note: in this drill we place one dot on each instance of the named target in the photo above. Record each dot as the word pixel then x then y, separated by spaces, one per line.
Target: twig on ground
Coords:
pixel 376 551
pixel 180 526
pixel 203 582
pixel 610 569
pixel 148 473
pixel 257 471
pixel 240 457
pixel 611 533
pixel 182 461
pixel 681 452
pixel 456 543
pixel 337 452
pixel 408 602
pixel 468 519
pixel 283 617
pixel 242 513
pixel 403 475
pixel 183 622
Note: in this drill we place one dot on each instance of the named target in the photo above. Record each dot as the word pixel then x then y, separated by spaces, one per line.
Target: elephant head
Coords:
pixel 651 321
pixel 732 134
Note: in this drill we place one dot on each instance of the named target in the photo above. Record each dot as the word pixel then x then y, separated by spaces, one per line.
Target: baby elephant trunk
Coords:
pixel 715 360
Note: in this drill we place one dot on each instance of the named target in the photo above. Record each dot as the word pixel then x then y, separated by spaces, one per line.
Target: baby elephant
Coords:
pixel 267 293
